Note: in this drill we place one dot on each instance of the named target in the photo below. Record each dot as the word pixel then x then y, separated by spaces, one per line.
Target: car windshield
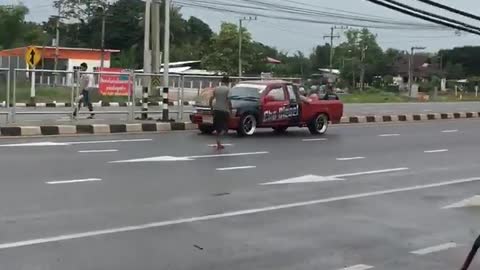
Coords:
pixel 245 91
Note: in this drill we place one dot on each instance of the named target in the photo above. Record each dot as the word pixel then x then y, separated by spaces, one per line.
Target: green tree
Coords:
pixel 81 10
pixel 320 57
pixel 455 71
pixel 223 54
pixel 361 50
pixel 14 31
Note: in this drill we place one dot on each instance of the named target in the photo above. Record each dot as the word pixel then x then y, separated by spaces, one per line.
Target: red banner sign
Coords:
pixel 115 84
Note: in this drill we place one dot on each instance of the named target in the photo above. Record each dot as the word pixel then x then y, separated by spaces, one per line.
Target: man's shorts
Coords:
pixel 220 120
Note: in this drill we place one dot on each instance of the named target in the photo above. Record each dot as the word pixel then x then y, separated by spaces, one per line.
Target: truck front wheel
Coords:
pixel 319 125
pixel 248 125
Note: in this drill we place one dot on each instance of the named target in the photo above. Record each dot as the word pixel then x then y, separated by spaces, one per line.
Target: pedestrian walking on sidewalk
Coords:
pixel 84 97
pixel 222 108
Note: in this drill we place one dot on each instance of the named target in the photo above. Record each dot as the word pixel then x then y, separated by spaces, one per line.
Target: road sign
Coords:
pixel 33 56
pixel 156 81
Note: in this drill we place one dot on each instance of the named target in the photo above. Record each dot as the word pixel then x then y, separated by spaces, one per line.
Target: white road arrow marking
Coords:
pixel 338 177
pixel 71 143
pixel 304 179
pixel 34 144
pixel 433 249
pixel 470 202
pixel 186 158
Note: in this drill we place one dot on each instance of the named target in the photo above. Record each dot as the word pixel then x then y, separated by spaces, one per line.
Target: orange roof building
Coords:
pixel 68 58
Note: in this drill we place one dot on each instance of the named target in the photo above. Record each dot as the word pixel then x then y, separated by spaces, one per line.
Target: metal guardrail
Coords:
pixel 181 79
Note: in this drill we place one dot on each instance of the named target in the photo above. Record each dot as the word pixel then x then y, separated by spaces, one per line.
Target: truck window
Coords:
pixel 291 94
pixel 277 93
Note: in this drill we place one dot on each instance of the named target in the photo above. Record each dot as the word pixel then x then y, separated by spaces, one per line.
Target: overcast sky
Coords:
pixel 292 36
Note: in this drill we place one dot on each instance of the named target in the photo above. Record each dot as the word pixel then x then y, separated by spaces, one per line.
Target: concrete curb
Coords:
pixel 96 104
pixel 407 117
pixel 174 126
pixel 94 129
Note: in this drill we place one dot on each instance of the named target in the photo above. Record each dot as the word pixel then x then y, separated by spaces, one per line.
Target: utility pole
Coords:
pixel 240 41
pixel 166 64
pixel 411 67
pixel 332 36
pixel 146 59
pixel 156 38
pixel 57 43
pixel 102 57
pixel 362 64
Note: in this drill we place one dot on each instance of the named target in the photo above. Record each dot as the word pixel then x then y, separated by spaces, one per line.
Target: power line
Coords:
pixel 457 11
pixel 432 14
pixel 312 13
pixel 426 18
pixel 305 20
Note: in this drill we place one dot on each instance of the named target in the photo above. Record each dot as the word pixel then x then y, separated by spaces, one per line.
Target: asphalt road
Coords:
pixel 360 197
pixel 35 115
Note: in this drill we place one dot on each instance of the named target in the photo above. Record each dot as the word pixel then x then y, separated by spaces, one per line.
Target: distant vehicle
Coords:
pixel 272 104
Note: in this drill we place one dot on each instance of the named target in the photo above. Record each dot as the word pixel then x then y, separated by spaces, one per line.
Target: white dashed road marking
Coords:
pixel 450 131
pixel 224 144
pixel 434 249
pixel 358 267
pixel 436 151
pixel 314 140
pixel 110 141
pixel 388 135
pixel 66 237
pixel 236 168
pixel 98 151
pixel 74 181
pixel 350 158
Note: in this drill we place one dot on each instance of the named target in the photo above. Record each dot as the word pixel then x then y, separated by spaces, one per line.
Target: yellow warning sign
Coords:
pixel 33 56
pixel 156 81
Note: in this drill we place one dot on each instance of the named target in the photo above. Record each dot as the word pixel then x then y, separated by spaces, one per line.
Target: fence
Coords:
pixel 29 87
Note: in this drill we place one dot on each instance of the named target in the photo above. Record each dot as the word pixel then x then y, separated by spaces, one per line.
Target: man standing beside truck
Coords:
pixel 221 109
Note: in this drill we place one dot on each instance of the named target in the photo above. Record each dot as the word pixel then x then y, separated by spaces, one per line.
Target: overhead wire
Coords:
pixel 432 14
pixel 220 7
pixel 453 10
pixel 423 17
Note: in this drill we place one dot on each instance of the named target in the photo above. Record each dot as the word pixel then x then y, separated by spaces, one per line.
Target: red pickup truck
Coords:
pixel 273 104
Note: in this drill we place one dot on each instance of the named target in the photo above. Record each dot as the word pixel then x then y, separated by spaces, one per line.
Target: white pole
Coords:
pixel 476 91
pixel 32 87
pixel 166 49
pixel 146 40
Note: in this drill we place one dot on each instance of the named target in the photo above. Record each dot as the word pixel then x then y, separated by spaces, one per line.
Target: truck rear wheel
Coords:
pixel 319 125
pixel 205 129
pixel 248 125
